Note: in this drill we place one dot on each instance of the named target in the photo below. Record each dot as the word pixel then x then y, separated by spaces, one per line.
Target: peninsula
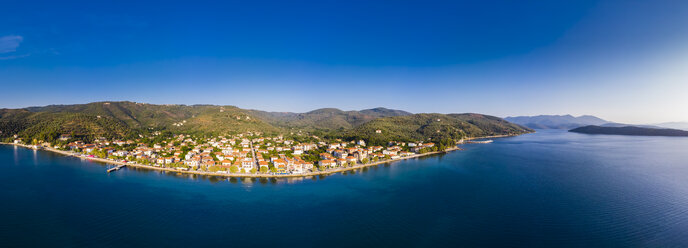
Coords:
pixel 229 141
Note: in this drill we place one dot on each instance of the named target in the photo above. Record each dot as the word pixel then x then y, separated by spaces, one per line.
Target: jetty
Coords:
pixel 116 168
pixel 479 141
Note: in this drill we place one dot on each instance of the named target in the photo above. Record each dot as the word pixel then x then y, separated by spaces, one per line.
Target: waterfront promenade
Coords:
pixel 220 174
pixel 249 175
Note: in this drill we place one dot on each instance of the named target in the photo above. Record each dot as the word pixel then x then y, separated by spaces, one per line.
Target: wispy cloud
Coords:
pixel 10 43
pixel 13 56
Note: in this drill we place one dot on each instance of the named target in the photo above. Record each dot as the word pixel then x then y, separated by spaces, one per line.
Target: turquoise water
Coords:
pixel 551 188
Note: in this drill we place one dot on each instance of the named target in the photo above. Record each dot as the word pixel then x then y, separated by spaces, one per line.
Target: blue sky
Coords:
pixel 626 61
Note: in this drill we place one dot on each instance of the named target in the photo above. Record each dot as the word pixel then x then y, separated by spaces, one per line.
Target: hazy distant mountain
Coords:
pixel 556 121
pixel 614 124
pixel 674 125
pixel 629 130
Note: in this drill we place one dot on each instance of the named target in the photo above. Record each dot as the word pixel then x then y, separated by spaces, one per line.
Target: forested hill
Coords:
pixel 433 127
pixel 326 118
pixel 130 119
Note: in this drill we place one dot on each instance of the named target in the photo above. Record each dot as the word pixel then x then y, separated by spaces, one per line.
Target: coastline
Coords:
pixel 247 175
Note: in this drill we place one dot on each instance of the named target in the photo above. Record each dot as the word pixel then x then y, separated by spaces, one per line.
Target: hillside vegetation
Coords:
pixel 433 127
pixel 326 119
pixel 129 119
pixel 47 126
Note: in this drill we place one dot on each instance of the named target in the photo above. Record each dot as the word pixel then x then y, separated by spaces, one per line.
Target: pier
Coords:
pixel 116 168
pixel 479 141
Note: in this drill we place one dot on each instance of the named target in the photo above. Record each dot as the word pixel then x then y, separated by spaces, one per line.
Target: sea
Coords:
pixel 545 189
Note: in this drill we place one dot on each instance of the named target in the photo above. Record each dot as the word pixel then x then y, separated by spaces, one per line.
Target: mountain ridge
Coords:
pixel 128 119
pixel 556 121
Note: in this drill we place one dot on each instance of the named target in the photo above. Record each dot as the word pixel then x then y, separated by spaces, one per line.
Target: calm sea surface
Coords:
pixel 551 188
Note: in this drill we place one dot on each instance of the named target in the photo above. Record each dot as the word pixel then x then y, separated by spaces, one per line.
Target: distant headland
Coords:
pixel 630 130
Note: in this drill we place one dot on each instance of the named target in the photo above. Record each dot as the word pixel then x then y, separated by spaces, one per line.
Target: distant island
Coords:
pixel 630 130
pixel 230 141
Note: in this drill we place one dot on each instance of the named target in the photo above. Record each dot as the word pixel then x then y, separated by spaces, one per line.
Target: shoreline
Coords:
pixel 247 175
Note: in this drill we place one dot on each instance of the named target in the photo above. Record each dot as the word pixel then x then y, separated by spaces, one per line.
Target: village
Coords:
pixel 247 153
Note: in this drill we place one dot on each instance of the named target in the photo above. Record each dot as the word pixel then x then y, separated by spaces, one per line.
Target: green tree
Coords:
pixel 263 169
pixel 233 169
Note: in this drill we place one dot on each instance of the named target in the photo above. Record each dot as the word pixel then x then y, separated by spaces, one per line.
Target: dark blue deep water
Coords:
pixel 551 188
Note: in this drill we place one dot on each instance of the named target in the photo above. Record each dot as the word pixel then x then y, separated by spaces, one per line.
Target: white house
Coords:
pixel 247 164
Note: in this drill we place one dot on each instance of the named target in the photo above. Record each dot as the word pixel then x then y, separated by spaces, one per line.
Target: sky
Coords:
pixel 624 61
